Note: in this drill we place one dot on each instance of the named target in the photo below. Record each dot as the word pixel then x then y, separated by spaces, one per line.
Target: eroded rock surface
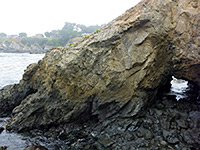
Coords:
pixel 114 72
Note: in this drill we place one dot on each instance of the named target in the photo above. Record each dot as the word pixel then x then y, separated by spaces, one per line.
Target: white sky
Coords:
pixel 39 16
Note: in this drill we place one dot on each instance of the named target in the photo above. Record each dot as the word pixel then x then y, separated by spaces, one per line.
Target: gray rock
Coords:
pixel 172 140
pixel 3 147
pixel 141 132
pixel 1 129
pixel 36 147
pixel 164 143
pixel 181 123
pixel 187 136
pixel 107 142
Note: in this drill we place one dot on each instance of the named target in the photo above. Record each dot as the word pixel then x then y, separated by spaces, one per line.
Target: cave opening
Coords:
pixel 182 89
pixel 178 88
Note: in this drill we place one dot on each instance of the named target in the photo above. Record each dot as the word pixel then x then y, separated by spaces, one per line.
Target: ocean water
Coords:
pixel 179 88
pixel 12 66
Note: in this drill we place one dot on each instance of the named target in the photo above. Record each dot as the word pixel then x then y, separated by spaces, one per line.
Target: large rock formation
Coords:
pixel 114 72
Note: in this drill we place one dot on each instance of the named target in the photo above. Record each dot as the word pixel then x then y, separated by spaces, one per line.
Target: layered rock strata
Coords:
pixel 166 124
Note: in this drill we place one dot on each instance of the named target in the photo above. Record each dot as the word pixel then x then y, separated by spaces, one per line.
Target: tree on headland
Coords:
pixel 69 31
pixel 3 35
pixel 47 34
pixel 22 34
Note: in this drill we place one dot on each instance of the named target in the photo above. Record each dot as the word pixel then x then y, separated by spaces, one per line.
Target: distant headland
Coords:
pixel 40 43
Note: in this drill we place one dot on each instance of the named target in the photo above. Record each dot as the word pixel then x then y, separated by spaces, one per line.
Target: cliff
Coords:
pixel 115 72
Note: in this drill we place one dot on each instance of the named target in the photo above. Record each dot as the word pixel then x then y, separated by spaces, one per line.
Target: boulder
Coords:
pixel 115 72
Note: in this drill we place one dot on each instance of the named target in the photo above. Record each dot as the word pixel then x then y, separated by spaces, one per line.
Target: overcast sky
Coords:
pixel 39 16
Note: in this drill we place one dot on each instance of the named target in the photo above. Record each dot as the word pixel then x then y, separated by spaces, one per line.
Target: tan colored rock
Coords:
pixel 115 72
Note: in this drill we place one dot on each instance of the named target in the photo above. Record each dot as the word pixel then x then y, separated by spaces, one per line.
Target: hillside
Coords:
pixel 41 43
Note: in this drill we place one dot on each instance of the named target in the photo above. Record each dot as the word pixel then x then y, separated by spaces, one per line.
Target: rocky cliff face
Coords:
pixel 114 72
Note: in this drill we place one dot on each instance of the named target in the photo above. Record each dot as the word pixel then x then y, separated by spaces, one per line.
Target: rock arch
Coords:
pixel 115 71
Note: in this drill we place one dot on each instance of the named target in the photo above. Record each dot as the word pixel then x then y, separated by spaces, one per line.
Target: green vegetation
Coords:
pixel 70 44
pixel 3 35
pixel 69 31
pixel 54 38
pixel 22 34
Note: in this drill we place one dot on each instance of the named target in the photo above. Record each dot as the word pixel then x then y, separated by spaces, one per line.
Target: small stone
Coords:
pixel 156 129
pixel 159 112
pixel 173 125
pixel 172 140
pixel 1 129
pixel 160 106
pixel 185 148
pixel 165 124
pixel 147 123
pixel 107 142
pixel 188 137
pixel 3 148
pixel 132 148
pixel 148 135
pixel 141 132
pixel 164 143
pixel 130 135
pixel 63 136
pixel 150 112
pixel 181 123
pixel 36 147
pixel 171 133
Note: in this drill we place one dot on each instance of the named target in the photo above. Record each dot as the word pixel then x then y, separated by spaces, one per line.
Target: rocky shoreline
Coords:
pixel 15 45
pixel 103 92
pixel 165 124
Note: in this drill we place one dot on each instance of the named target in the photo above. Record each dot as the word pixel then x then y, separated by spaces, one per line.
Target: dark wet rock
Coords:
pixel 187 136
pixel 182 123
pixel 141 132
pixel 164 143
pixel 148 135
pixel 158 112
pixel 195 115
pixel 1 129
pixel 36 147
pixel 3 147
pixel 172 140
pixel 147 123
pixel 160 106
pixel 107 141
pixel 165 124
pixel 63 136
